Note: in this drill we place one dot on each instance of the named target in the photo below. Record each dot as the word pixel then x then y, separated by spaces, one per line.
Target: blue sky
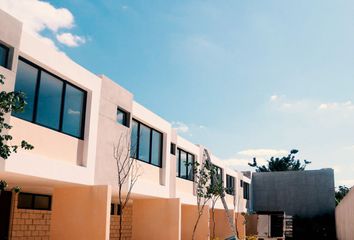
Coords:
pixel 244 78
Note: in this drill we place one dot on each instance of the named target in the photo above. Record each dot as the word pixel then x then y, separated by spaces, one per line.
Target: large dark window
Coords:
pixel 26 81
pixel 51 101
pixel 184 164
pixel 230 185
pixel 34 201
pixel 4 55
pixel 246 190
pixel 146 144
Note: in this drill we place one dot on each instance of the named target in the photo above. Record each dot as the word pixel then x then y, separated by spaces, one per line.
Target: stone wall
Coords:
pixel 28 224
pixel 127 225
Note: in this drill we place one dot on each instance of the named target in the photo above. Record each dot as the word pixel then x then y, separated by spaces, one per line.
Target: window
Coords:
pixel 51 101
pixel 112 209
pixel 122 117
pixel 276 225
pixel 173 149
pixel 4 56
pixel 246 190
pixel 241 183
pixel 146 144
pixel 34 201
pixel 219 174
pixel 230 185
pixel 184 165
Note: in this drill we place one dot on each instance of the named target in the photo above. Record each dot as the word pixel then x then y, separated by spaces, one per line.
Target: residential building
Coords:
pixel 345 217
pixel 74 119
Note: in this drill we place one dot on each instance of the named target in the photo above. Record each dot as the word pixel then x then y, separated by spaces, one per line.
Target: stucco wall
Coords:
pixel 81 213
pixel 157 219
pixel 189 217
pixel 345 217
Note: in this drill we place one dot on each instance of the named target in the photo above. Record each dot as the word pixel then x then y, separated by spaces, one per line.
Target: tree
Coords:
pixel 340 193
pixel 202 176
pixel 10 102
pixel 128 172
pixel 217 190
pixel 286 163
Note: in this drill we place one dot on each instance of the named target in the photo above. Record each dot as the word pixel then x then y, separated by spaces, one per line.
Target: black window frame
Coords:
pixel 173 148
pixel 33 196
pixel 230 185
pixel 65 83
pixel 150 145
pixel 178 159
pixel 246 190
pixel 126 119
pixel 6 56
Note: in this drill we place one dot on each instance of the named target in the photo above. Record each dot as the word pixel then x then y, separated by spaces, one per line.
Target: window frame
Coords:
pixel 34 195
pixel 127 117
pixel 150 145
pixel 173 148
pixel 6 56
pixel 230 189
pixel 246 190
pixel 62 101
pixel 178 158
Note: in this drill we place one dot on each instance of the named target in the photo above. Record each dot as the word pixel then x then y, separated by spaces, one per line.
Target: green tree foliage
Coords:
pixel 10 101
pixel 286 163
pixel 340 193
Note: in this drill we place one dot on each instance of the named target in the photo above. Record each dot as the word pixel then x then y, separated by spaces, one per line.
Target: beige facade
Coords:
pixel 79 173
pixel 345 217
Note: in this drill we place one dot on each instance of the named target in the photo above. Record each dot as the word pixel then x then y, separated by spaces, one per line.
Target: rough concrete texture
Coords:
pixel 303 193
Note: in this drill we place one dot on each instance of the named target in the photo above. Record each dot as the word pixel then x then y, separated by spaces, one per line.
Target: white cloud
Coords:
pixel 263 152
pixel 348 105
pixel 180 127
pixel 274 98
pixel 70 40
pixel 236 162
pixel 38 16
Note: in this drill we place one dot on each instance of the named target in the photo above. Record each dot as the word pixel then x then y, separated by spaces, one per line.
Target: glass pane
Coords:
pixel 134 140
pixel 4 52
pixel 177 162
pixel 190 166
pixel 183 160
pixel 49 101
pixel 73 111
pixel 144 143
pixel 41 202
pixel 156 148
pixel 26 79
pixel 24 201
pixel 121 117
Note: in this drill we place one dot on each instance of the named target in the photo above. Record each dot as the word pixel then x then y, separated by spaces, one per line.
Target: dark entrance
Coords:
pixel 5 210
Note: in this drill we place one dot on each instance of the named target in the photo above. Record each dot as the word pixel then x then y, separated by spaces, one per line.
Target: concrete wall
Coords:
pixel 304 193
pixel 189 217
pixel 81 213
pixel 345 217
pixel 157 219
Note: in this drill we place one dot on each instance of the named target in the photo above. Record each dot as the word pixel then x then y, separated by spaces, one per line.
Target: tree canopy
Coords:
pixel 10 101
pixel 286 163
pixel 340 193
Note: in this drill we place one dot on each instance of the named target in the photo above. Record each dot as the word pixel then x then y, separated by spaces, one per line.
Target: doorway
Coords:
pixel 5 211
